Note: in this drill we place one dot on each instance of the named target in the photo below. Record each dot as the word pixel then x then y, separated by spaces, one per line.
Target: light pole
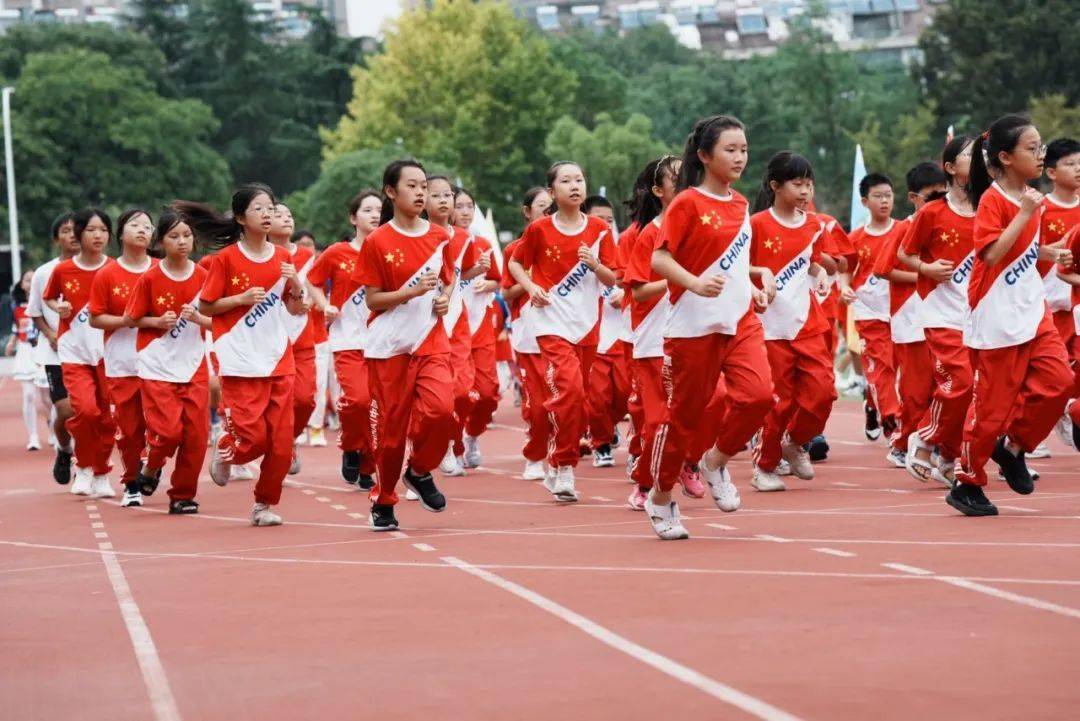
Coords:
pixel 13 212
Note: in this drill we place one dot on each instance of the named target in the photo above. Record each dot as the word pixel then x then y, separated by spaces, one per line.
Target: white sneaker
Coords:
pixel 34 444
pixel 665 520
pixel 782 468
pixel 534 471
pixel 220 469
pixel 725 494
pixel 1041 451
pixel 798 458
pixel 215 433
pixel 411 495
pixel 241 472
pixel 450 465
pixel 766 481
pixel 317 437
pixel 896 458
pixel 304 438
pixel 1064 428
pixel 944 472
pixel 131 498
pixel 472 457
pixel 84 481
pixel 294 466
pixel 261 515
pixel 563 486
pixel 631 461
pixel 101 488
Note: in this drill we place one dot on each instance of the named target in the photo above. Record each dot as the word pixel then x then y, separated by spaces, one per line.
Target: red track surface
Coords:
pixel 507 606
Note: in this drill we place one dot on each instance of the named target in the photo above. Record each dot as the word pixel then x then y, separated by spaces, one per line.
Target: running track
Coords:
pixel 857 596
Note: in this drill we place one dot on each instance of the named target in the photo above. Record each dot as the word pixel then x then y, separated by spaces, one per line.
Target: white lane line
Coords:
pixel 845 484
pixel 773 539
pixel 94 516
pixel 101 534
pixel 423 547
pixel 398 534
pixel 721 526
pixel 835 552
pixel 97 524
pixel 91 506
pixel 105 546
pixel 1022 509
pixel 338 507
pixel 307 491
pixel 1010 596
pixel 904 568
pixel 720 691
pixel 322 499
pixel 601 498
pixel 357 516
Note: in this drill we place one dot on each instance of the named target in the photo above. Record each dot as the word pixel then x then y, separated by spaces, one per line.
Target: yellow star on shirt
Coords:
pixel 389 257
pixel 161 300
pixel 235 280
pixel 706 219
pixel 68 285
pixel 117 290
pixel 342 265
pixel 769 244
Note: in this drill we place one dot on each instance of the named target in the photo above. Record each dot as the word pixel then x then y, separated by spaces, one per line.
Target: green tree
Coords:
pixel 611 154
pixel 985 58
pixel 911 141
pixel 467 85
pixel 87 131
pixel 1054 117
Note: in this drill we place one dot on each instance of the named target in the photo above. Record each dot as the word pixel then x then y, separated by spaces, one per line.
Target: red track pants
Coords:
pixel 879 365
pixel 127 411
pixel 803 382
pixel 177 423
pixel 649 383
pixel 303 388
pixel 567 365
pixel 354 407
pixel 1065 323
pixel 412 402
pixel 91 427
pixel 944 424
pixel 635 446
pixel 608 390
pixel 693 370
pixel 478 406
pixel 538 431
pixel 1020 391
pixel 914 386
pixel 258 416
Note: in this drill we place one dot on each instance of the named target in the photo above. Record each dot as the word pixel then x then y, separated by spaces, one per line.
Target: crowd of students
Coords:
pixel 712 322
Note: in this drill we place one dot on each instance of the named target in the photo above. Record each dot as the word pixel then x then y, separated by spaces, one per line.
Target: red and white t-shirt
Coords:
pixel 301 329
pixel 550 252
pixel 940 231
pixel 392 259
pixel 463 252
pixel 708 235
pixel 647 317
pixel 1072 242
pixel 76 341
pixel 109 296
pixel 788 250
pixel 624 250
pixel 1057 220
pixel 871 292
pixel 1007 300
pixel 337 264
pixel 480 307
pixel 176 355
pixel 834 243
pixel 522 339
pixel 905 304
pixel 251 341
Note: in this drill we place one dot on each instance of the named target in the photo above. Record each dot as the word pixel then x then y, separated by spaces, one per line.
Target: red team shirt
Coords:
pixel 76 341
pixel 392 259
pixel 301 327
pixel 1057 220
pixel 109 296
pixel 871 293
pixel 904 301
pixel 789 251
pixel 481 306
pixel 250 341
pixel 176 355
pixel 336 266
pixel 835 244
pixel 939 231
pixel 647 317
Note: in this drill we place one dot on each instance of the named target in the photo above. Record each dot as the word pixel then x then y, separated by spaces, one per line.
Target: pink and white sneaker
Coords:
pixel 690 480
pixel 637 498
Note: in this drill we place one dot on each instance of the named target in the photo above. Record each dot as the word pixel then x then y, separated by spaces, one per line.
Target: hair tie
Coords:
pixel 986 135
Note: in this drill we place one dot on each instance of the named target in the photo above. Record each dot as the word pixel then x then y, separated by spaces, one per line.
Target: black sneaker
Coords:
pixel 970 500
pixel 888 426
pixel 872 427
pixel 366 482
pixel 424 486
pixel 350 467
pixel 61 470
pixel 818 448
pixel 382 518
pixel 183 507
pixel 1014 468
pixel 147 484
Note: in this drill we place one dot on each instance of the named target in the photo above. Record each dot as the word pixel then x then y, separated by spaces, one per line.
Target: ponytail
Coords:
pixel 703 138
pixel 1002 137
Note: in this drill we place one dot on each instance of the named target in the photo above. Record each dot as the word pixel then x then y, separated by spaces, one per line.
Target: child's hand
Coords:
pixel 63 309
pixel 586 257
pixel 187 311
pixel 1030 200
pixel 428 282
pixel 331 313
pixel 709 287
pixel 254 295
pixel 940 270
pixel 441 305
pixel 167 320
pixel 539 297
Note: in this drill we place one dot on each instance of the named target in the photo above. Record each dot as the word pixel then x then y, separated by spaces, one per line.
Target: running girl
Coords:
pixel 1022 376
pixel 81 350
pixel 563 260
pixel 407 269
pixel 108 298
pixel 171 366
pixel 786 240
pixel 347 313
pixel 712 336
pixel 251 288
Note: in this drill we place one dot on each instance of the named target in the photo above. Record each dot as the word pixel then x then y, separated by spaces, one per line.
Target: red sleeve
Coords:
pixel 886 260
pixel 673 229
pixel 816 243
pixel 918 235
pixel 639 264
pixel 525 253
pixel 214 287
pixel 52 289
pixel 371 268
pixel 446 273
pixel 99 293
pixel 470 257
pixel 493 272
pixel 608 253
pixel 756 239
pixel 320 271
pixel 990 222
pixel 840 240
pixel 1072 242
pixel 507 280
pixel 139 302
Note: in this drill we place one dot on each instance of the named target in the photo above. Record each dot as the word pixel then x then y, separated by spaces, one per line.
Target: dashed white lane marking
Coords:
pixel 97 524
pixel 398 534
pixel 338 507
pixel 601 498
pixel 835 552
pixel 845 484
pixel 1010 596
pixel 101 534
pixel 423 547
pixel 146 655
pixel 1022 509
pixel 908 569
pixel 357 516
pixel 307 491
pixel 322 499
pixel 720 691
pixel 94 516
pixel 773 539
pixel 721 526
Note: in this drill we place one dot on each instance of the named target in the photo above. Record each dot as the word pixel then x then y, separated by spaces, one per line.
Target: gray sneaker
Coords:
pixel 261 515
